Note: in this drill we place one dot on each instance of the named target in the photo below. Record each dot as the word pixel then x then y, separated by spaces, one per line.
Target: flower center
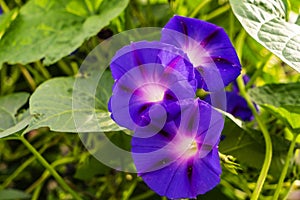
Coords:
pixel 192 149
pixel 187 147
pixel 196 54
pixel 153 92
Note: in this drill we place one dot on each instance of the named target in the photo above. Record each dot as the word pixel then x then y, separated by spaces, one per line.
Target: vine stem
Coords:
pixel 28 77
pixel 46 174
pixel 285 167
pixel 4 6
pixel 199 7
pixel 217 12
pixel 65 68
pixel 144 195
pixel 50 168
pixel 43 70
pixel 268 142
pixel 16 173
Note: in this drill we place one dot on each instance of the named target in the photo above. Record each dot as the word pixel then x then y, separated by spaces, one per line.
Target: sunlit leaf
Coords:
pixel 282 100
pixel 51 106
pixel 287 115
pixel 265 21
pixel 52 29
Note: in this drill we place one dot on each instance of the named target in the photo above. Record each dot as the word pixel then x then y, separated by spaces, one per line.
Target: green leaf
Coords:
pixel 12 121
pixel 90 168
pixel 52 106
pixel 240 144
pixel 52 29
pixel 11 194
pixel 6 20
pixel 264 21
pixel 21 124
pixel 282 100
pixel 295 6
pixel 248 147
pixel 277 94
pixel 298 20
pixel 286 115
pixel 9 105
pixel 215 193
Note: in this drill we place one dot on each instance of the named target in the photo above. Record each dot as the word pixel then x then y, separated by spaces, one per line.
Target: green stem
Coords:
pixel 231 26
pixel 199 7
pixel 89 7
pixel 144 195
pixel 65 68
pixel 42 69
pixel 268 142
pixel 16 173
pixel 258 71
pixel 74 67
pixel 50 168
pixel 37 191
pixel 4 6
pixel 19 2
pixel 127 193
pixel 2 79
pixel 285 167
pixel 46 173
pixel 217 12
pixel 28 77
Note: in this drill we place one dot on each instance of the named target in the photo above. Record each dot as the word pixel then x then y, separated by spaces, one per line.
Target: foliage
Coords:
pixel 42 45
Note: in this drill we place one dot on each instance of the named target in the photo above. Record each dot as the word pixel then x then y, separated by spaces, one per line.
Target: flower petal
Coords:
pixel 140 53
pixel 186 179
pixel 141 84
pixel 208 48
pixel 180 159
pixel 236 105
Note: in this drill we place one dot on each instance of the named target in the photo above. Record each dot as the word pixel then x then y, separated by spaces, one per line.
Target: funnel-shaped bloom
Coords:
pixel 149 76
pixel 207 47
pixel 182 160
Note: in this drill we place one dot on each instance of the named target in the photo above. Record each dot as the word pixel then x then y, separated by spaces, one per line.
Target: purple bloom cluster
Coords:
pixel 176 136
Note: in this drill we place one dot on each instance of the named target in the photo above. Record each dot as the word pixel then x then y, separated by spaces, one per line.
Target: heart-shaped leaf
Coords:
pixel 52 29
pixel 52 105
pixel 264 20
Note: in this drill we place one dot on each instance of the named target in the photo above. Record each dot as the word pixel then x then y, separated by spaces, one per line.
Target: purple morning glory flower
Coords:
pixel 182 160
pixel 236 105
pixel 175 141
pixel 149 76
pixel 208 48
pixel 1 11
